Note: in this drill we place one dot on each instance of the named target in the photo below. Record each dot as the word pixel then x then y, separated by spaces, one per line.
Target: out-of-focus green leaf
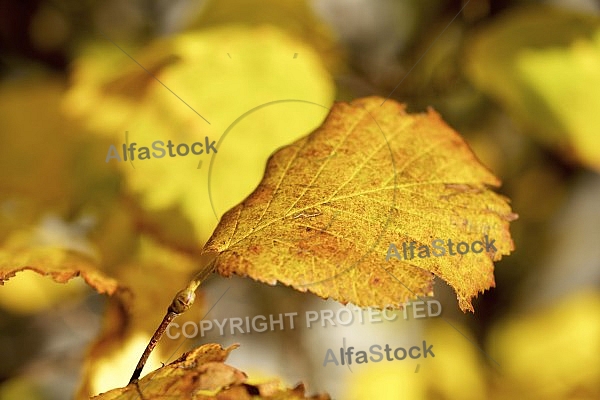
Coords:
pixel 541 65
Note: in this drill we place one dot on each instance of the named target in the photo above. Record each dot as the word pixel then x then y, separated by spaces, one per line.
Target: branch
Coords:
pixel 181 303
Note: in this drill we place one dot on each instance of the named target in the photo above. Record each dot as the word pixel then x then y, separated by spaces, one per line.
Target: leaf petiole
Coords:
pixel 182 302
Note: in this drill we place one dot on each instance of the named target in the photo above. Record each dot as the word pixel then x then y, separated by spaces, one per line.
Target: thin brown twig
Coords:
pixel 170 316
pixel 182 301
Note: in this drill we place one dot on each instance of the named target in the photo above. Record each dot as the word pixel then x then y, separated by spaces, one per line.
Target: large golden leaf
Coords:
pixel 330 204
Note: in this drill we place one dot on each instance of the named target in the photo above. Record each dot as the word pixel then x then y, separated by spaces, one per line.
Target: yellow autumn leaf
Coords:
pixel 59 264
pixel 33 250
pixel 202 374
pixel 51 253
pixel 456 366
pixel 61 173
pixel 155 272
pixel 550 353
pixel 295 17
pixel 565 76
pixel 539 63
pixel 63 215
pixel 249 96
pixel 53 196
pixel 27 163
pixel 331 205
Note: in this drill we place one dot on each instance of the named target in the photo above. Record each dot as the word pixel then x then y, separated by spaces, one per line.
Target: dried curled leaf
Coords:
pixel 51 193
pixel 201 374
pixel 330 204
pixel 61 265
pixel 154 272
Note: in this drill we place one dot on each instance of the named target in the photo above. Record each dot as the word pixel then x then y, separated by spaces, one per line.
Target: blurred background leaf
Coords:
pixel 560 343
pixel 540 64
pixel 257 68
